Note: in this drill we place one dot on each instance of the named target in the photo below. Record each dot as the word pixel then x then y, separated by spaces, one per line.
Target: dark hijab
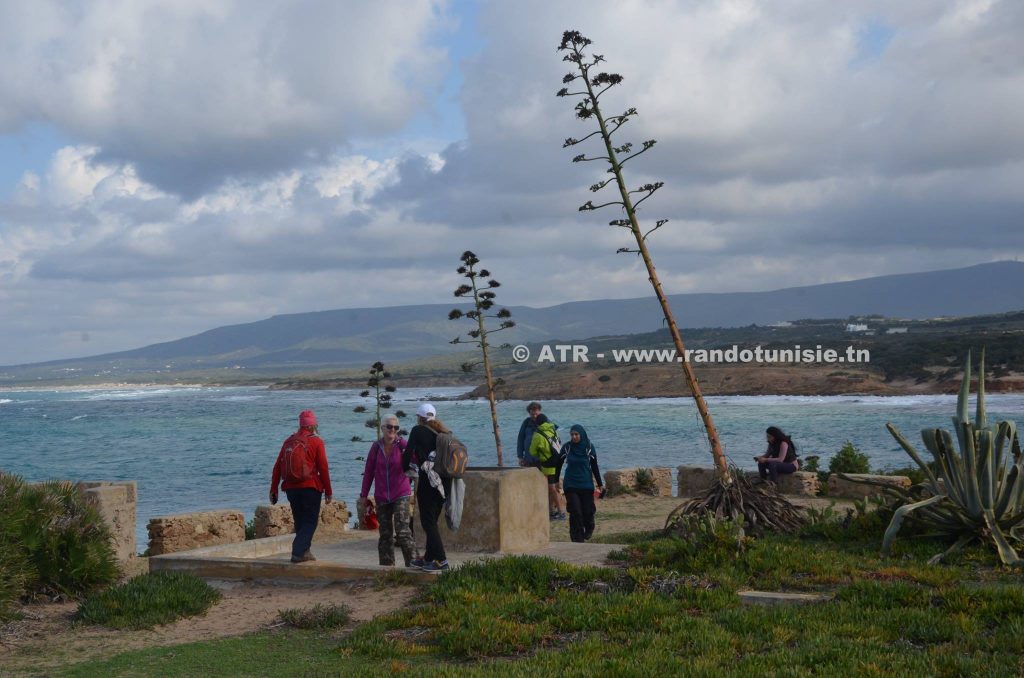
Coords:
pixel 583 445
pixel 778 437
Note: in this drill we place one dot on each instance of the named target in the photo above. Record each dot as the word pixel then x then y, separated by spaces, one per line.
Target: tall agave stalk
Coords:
pixel 729 497
pixel 976 487
pixel 382 395
pixel 480 288
pixel 592 86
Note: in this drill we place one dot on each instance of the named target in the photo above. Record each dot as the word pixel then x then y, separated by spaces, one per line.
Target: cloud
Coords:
pixel 193 92
pixel 815 128
pixel 214 181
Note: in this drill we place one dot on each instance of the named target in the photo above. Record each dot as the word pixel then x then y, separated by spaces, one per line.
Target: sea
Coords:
pixel 199 448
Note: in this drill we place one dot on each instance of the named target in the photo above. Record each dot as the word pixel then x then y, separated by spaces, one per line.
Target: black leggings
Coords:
pixel 431 505
pixel 770 470
pixel 580 504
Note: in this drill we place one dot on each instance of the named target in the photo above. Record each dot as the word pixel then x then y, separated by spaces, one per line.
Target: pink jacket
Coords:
pixel 384 472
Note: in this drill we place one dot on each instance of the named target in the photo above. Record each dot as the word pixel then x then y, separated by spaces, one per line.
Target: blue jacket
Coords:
pixel 526 431
pixel 581 468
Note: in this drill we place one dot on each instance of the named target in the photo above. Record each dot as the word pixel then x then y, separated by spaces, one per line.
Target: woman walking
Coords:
pixel 431 488
pixel 392 492
pixel 581 472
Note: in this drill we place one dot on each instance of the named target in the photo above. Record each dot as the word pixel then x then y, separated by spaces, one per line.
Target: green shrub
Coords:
pixel 849 460
pixel 320 616
pixel 645 481
pixel 61 545
pixel 149 599
pixel 14 567
pixel 915 473
pixel 250 529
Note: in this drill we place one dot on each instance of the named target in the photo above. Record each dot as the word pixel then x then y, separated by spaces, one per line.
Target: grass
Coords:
pixel 669 609
pixel 320 616
pixel 148 600
pixel 396 577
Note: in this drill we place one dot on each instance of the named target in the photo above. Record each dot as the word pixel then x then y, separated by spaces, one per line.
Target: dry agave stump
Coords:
pixel 762 508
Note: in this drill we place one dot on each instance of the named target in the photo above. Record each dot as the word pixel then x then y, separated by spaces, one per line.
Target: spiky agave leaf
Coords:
pixel 984 498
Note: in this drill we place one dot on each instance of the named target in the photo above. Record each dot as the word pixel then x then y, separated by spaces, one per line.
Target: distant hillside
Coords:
pixel 302 342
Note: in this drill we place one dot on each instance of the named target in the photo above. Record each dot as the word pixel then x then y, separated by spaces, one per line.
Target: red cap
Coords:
pixel 307 418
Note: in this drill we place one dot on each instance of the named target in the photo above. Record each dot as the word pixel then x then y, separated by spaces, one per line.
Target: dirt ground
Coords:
pixel 635 513
pixel 47 638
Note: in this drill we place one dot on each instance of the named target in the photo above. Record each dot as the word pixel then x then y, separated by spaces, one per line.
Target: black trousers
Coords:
pixel 431 505
pixel 770 470
pixel 305 503
pixel 580 505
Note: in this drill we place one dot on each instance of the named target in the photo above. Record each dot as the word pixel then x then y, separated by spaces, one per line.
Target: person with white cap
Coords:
pixel 431 489
pixel 301 471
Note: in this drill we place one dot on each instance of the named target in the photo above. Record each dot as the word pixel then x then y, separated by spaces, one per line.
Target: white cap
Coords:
pixel 426 410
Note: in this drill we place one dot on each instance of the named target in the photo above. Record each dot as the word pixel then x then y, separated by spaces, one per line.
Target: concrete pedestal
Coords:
pixel 506 510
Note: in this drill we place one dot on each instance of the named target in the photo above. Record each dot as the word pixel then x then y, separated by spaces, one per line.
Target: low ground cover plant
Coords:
pixel 148 600
pixel 320 616
pixel 671 610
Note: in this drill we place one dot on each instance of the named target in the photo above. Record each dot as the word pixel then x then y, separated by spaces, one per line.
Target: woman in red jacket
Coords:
pixel 301 471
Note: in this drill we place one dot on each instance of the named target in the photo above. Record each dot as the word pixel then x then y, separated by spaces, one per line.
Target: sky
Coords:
pixel 171 166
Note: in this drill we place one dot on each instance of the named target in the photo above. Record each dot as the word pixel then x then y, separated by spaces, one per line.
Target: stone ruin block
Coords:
pixel 187 531
pixel 849 489
pixel 505 510
pixel 271 521
pixel 625 480
pixel 695 480
pixel 116 503
pixel 799 484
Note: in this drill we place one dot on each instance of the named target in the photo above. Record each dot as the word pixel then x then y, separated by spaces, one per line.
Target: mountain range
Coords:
pixel 360 336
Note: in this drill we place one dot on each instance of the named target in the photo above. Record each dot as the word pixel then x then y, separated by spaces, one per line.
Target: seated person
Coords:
pixel 780 456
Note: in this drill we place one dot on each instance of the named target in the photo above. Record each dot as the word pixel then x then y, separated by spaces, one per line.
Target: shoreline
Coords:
pixel 117 386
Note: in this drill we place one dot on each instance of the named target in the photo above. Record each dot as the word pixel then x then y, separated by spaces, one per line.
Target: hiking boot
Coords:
pixel 417 563
pixel 304 558
pixel 436 566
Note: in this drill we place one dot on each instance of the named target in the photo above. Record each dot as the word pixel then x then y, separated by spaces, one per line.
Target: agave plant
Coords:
pixel 975 487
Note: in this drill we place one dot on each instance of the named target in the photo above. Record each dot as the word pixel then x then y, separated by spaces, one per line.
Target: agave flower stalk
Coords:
pixel 480 288
pixel 381 396
pixel 591 86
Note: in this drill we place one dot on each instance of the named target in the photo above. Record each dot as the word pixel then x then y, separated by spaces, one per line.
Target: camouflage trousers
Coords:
pixel 394 526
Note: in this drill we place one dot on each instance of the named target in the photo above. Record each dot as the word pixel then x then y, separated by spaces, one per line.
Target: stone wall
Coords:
pixel 116 503
pixel 695 480
pixel 505 510
pixel 624 480
pixel 848 489
pixel 800 483
pixel 271 521
pixel 187 531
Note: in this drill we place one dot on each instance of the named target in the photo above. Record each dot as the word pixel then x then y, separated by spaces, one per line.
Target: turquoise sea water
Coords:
pixel 206 448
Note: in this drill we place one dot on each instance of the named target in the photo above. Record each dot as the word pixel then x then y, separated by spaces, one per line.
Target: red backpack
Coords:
pixel 296 460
